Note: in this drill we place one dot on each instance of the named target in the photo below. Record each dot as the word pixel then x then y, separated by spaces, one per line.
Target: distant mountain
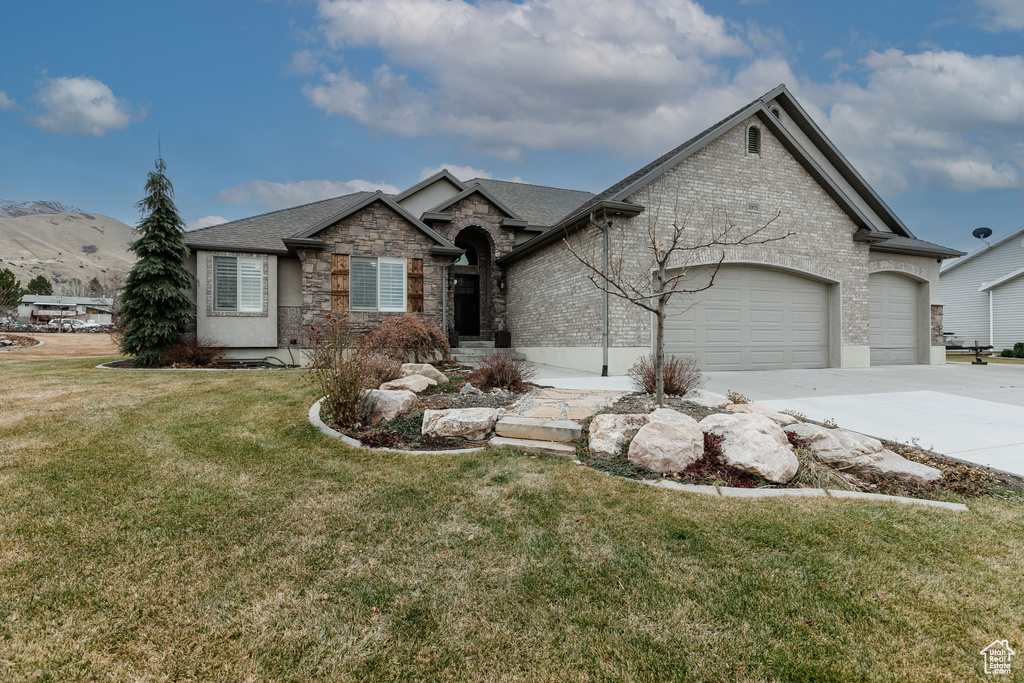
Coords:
pixel 62 242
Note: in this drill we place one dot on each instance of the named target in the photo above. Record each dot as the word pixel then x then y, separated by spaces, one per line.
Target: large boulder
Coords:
pixel 379 405
pixel 706 399
pixel 861 455
pixel 415 383
pixel 474 424
pixel 761 409
pixel 425 369
pixel 609 433
pixel 755 444
pixel 669 442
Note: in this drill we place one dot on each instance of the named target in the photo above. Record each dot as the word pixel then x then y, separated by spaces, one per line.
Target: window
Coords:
pixel 753 140
pixel 238 284
pixel 378 284
pixel 776 113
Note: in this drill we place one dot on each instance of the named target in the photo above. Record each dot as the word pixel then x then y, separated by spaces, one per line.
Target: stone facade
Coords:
pixel 376 230
pixel 475 219
pixel 936 326
pixel 289 327
pixel 711 189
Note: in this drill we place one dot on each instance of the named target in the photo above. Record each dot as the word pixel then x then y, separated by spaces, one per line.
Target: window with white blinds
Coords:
pixel 238 284
pixel 377 284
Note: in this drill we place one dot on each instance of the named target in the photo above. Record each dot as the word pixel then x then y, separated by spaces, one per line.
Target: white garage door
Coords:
pixel 752 319
pixel 893 319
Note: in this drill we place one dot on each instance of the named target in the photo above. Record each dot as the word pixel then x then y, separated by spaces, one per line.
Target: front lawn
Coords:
pixel 967 358
pixel 177 525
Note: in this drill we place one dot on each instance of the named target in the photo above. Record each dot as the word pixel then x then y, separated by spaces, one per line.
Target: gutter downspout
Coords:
pixel 991 322
pixel 604 295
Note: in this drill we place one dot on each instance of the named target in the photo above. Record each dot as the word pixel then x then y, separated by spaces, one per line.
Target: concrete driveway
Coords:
pixel 973 413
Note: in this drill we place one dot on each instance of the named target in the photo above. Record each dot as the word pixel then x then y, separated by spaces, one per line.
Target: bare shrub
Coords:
pixel 736 397
pixel 378 368
pixel 681 375
pixel 408 336
pixel 503 369
pixel 193 352
pixel 335 371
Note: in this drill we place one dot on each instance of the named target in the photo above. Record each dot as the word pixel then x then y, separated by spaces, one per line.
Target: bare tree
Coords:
pixel 677 253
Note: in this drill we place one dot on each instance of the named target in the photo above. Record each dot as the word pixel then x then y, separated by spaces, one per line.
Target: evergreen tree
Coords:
pixel 155 310
pixel 94 288
pixel 39 286
pixel 10 293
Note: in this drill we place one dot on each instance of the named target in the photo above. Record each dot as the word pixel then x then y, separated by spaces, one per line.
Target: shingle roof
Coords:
pixel 912 245
pixel 539 205
pixel 264 233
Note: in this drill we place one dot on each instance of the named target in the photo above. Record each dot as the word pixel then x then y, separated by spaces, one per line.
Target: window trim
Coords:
pixel 381 260
pixel 211 311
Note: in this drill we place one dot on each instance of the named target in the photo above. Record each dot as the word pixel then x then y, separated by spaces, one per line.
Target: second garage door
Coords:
pixel 893 319
pixel 752 319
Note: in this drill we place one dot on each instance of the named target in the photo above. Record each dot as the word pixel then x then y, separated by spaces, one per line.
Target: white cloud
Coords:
pixel 283 195
pixel 930 119
pixel 81 105
pixel 552 74
pixel 206 222
pixel 460 172
pixel 6 103
pixel 1002 15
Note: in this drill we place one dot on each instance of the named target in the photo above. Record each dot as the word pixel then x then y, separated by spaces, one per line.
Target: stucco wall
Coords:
pixel 230 328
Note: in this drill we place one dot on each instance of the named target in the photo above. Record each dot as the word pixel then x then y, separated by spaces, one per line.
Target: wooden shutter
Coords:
pixel 414 285
pixel 339 283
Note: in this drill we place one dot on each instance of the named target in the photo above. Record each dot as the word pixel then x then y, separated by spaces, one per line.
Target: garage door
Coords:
pixel 893 319
pixel 752 319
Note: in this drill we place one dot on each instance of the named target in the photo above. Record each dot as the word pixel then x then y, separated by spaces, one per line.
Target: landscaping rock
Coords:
pixel 706 399
pixel 469 390
pixel 474 424
pixel 755 444
pixel 761 409
pixel 380 404
pixel 669 442
pixel 425 369
pixel 610 433
pixel 415 383
pixel 861 455
pixel 539 429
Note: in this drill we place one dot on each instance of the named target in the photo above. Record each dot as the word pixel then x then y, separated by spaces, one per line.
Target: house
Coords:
pixel 849 287
pixel 43 308
pixel 983 294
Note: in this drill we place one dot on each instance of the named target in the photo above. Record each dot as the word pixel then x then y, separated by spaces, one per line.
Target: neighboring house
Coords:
pixel 983 294
pixel 851 287
pixel 37 308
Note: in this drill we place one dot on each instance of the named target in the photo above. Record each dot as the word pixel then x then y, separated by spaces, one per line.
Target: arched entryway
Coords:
pixel 471 285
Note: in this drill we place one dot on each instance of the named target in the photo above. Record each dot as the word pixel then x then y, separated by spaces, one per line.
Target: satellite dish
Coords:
pixel 982 233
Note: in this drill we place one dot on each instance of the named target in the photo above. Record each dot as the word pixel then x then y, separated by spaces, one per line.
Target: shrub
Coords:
pixel 1018 350
pixel 335 371
pixel 408 336
pixel 192 352
pixel 815 474
pixel 378 368
pixel 1007 353
pixel 503 369
pixel 681 375
pixel 736 397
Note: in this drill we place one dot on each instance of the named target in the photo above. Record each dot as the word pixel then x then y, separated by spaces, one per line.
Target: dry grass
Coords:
pixel 64 345
pixel 162 525
pixel 997 360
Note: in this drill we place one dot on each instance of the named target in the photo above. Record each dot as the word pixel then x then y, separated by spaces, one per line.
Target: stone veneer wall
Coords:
pixel 289 326
pixel 376 230
pixel 476 211
pixel 553 304
pixel 936 325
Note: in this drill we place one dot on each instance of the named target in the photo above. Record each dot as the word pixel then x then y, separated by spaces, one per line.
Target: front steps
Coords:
pixel 469 352
pixel 537 435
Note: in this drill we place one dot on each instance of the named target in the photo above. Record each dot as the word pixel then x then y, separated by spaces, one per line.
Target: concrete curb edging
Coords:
pixel 314 419
pixel 732 492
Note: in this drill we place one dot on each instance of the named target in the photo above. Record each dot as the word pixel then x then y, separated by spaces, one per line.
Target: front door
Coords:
pixel 467 305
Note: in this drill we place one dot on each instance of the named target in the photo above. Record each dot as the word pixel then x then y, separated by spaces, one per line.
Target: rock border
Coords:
pixel 733 492
pixel 314 419
pixel 39 342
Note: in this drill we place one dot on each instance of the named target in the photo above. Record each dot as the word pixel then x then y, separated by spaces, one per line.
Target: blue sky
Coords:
pixel 266 104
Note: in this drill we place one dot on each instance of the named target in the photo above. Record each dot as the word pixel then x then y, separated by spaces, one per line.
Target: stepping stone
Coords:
pixel 533 446
pixel 538 429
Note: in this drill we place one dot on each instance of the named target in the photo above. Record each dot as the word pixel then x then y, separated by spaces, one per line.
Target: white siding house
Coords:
pixel 983 294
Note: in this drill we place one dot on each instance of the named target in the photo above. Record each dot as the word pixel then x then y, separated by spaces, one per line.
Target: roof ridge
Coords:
pixel 289 208
pixel 513 182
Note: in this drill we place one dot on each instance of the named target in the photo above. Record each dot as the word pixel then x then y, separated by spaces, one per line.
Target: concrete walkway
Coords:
pixel 973 413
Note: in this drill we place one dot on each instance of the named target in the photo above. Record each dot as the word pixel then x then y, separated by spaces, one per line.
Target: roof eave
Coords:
pixel 296 243
pixel 443 173
pixel 475 187
pixel 922 249
pixel 234 247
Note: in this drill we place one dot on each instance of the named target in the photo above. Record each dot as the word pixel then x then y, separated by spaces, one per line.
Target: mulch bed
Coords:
pixel 22 340
pixel 123 364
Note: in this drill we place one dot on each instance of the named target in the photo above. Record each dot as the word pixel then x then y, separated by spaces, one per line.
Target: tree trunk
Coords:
pixel 659 340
